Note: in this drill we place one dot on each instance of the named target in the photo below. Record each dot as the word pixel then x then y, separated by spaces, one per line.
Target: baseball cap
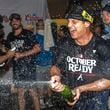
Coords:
pixel 77 12
pixel 106 8
pixel 14 16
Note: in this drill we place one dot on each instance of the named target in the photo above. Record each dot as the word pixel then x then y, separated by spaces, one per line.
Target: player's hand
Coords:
pixel 76 93
pixel 10 54
pixel 55 83
pixel 37 48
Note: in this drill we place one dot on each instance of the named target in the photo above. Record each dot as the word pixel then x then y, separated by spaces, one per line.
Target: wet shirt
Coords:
pixel 24 68
pixel 83 64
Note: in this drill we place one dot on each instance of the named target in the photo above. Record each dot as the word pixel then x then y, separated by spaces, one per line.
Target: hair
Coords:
pixel 106 8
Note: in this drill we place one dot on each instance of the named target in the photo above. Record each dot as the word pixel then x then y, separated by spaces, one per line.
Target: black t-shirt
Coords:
pixel 83 64
pixel 24 68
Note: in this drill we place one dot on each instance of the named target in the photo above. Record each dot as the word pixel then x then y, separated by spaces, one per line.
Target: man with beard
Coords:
pixel 24 66
pixel 83 59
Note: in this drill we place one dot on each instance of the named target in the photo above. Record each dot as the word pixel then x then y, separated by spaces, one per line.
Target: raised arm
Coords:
pixel 34 50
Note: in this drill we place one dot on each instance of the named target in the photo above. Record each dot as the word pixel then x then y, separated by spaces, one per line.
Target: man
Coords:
pixel 5 53
pixel 43 60
pixel 82 59
pixel 6 56
pixel 24 67
pixel 105 14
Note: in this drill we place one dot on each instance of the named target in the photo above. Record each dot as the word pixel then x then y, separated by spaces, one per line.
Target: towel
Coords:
pixel 48 39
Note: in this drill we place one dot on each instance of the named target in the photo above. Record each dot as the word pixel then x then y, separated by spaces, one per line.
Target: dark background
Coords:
pixel 58 8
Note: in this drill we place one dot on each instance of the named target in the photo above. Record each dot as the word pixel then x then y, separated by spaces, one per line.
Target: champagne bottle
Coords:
pixel 67 93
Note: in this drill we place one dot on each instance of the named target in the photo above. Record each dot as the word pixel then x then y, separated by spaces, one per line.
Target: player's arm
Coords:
pixel 98 85
pixel 8 55
pixel 95 86
pixel 3 58
pixel 36 49
pixel 54 70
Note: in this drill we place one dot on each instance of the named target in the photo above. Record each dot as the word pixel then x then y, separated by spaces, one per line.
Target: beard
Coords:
pixel 16 27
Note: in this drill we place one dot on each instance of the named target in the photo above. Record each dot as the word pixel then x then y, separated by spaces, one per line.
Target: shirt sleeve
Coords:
pixel 32 40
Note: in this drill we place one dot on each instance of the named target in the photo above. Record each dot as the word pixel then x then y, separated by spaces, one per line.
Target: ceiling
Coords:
pixel 57 8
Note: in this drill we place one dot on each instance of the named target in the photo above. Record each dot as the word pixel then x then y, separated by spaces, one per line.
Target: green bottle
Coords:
pixel 67 93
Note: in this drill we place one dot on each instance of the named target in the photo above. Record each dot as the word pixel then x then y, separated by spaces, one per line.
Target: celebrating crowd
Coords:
pixel 79 59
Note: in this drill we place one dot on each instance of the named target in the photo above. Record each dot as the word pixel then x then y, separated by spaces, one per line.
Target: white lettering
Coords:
pixel 71 67
pixel 90 68
pixel 79 64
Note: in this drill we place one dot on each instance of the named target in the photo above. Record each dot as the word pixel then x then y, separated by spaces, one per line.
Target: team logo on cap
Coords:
pixel 87 16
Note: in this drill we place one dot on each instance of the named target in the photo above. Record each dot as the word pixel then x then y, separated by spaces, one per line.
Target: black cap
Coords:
pixel 14 16
pixel 1 26
pixel 106 8
pixel 77 12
